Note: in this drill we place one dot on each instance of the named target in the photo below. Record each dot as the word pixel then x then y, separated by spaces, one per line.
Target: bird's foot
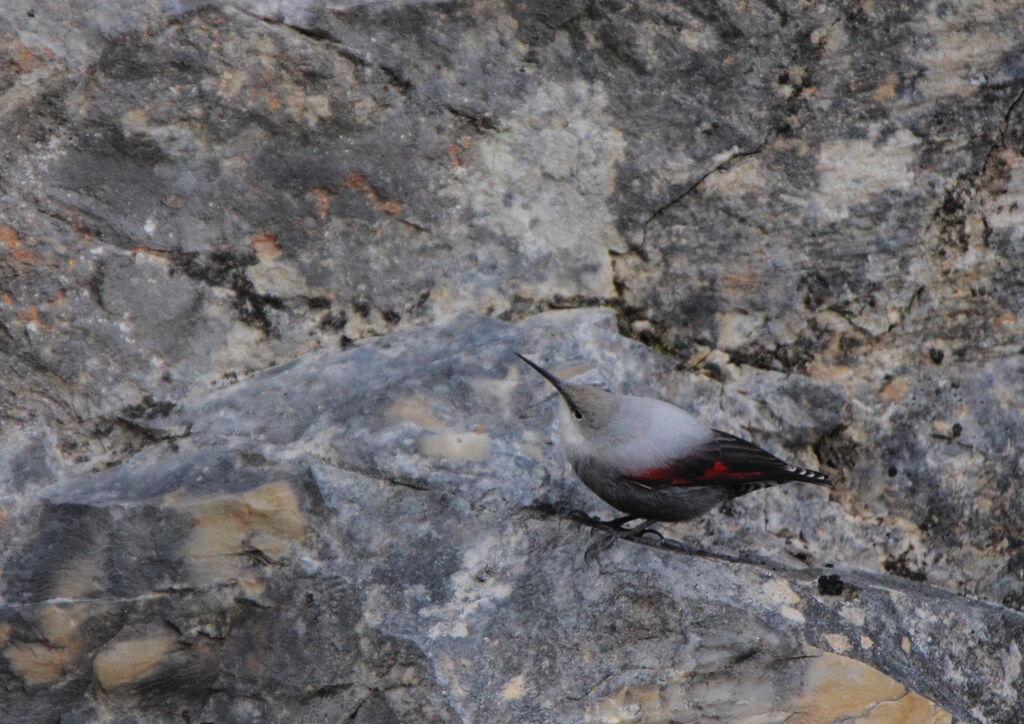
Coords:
pixel 613 529
pixel 615 525
pixel 620 522
pixel 618 529
pixel 595 549
pixel 637 532
pixel 595 523
pixel 581 517
pixel 642 530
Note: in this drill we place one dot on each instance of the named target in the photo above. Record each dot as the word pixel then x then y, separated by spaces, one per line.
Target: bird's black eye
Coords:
pixel 577 414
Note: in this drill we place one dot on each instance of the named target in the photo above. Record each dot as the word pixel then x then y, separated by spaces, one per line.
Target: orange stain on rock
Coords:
pixel 30 315
pixel 322 198
pixel 895 389
pixel 267 520
pixel 887 91
pixel 129 660
pixel 266 246
pixel 42 662
pixel 741 279
pixel 26 58
pixel 840 689
pixel 1006 320
pixel 9 238
pixel 359 182
pixel 71 216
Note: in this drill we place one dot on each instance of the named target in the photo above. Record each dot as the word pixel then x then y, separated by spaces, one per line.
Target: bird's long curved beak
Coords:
pixel 558 384
pixel 544 373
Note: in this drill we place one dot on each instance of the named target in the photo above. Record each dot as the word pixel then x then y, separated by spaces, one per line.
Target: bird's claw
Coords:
pixel 645 531
pixel 595 549
pixel 607 527
pixel 613 529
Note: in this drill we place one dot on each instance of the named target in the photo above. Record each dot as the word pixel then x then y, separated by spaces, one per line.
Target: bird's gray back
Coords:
pixel 645 433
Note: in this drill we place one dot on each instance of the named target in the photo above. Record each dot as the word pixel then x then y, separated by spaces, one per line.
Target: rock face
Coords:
pixel 803 222
pixel 379 534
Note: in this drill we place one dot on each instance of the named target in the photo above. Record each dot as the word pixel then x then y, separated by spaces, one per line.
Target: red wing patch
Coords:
pixel 722 471
pixel 718 472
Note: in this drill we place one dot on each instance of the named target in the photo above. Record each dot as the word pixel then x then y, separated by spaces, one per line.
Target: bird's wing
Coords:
pixel 726 460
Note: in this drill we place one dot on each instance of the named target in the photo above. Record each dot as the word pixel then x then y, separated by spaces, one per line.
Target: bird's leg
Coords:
pixel 638 531
pixel 614 529
pixel 582 517
pixel 613 526
pixel 596 523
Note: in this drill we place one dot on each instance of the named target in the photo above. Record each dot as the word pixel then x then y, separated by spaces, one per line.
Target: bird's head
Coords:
pixel 584 408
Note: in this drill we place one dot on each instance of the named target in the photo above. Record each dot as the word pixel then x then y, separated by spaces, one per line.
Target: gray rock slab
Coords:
pixel 382 534
pixel 195 192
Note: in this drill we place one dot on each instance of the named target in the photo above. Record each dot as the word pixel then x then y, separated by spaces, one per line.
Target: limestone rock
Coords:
pixel 379 534
pixel 811 213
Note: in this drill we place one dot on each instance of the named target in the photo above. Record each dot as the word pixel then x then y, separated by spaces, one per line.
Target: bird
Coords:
pixel 656 462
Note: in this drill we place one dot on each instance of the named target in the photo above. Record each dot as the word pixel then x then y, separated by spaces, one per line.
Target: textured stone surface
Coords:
pixel 379 533
pixel 811 211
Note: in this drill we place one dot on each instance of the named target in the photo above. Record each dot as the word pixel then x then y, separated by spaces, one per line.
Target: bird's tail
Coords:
pixel 808 476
